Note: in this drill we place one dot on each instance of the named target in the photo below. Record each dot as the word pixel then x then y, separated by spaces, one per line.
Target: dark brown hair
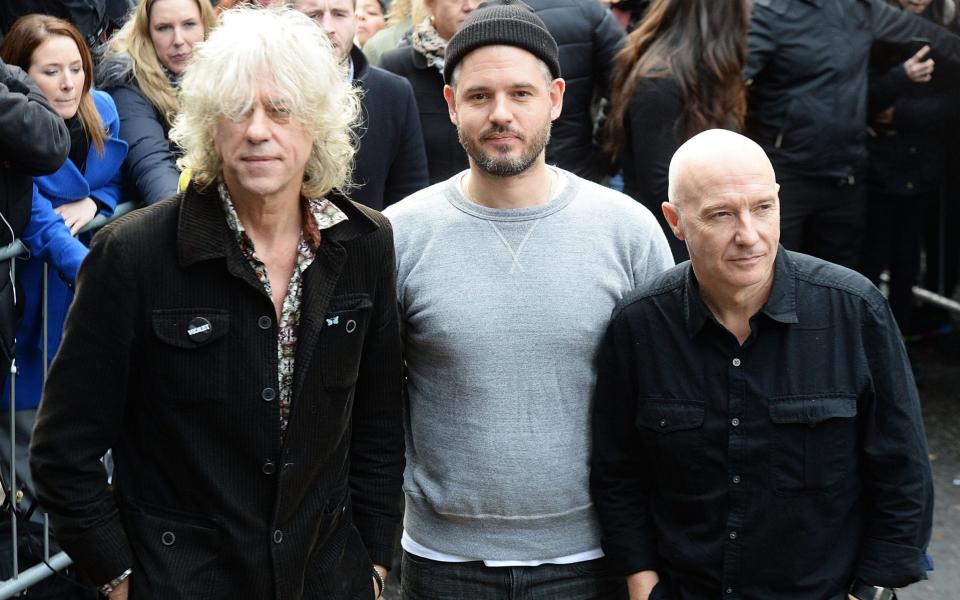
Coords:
pixel 702 44
pixel 26 35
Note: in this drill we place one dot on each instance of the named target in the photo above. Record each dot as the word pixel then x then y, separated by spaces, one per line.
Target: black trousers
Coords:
pixel 893 241
pixel 823 217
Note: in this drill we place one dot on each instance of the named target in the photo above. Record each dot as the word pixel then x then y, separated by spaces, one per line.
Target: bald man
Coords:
pixel 757 431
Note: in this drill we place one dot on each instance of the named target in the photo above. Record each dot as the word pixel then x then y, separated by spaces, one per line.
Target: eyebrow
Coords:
pixel 512 86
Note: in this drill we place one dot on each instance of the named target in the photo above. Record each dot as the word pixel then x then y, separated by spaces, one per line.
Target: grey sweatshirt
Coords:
pixel 502 312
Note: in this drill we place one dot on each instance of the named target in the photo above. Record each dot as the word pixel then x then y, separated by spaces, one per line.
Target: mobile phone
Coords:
pixel 917 43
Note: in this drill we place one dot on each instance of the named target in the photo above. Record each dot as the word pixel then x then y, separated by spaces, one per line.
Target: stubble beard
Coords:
pixel 505 166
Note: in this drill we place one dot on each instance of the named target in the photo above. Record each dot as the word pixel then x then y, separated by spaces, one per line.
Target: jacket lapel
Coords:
pixel 203 234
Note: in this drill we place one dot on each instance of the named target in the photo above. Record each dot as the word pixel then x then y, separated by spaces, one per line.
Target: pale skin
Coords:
pixel 503 87
pixel 264 154
pixel 724 204
pixel 448 15
pixel 337 18
pixel 57 67
pixel 175 26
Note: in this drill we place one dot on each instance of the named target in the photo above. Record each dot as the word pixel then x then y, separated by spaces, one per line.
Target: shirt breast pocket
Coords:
pixel 190 360
pixel 814 441
pixel 341 339
pixel 672 432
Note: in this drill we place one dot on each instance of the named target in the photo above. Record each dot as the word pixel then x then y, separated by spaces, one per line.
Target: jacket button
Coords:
pixel 167 538
pixel 733 535
pixel 264 322
pixel 268 394
pixel 269 468
pixel 277 537
pixel 735 422
pixel 663 422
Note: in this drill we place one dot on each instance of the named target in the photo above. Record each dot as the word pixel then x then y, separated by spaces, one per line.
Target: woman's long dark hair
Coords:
pixel 702 44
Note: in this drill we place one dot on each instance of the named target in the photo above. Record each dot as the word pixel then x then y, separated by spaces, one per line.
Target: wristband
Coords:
pixel 379 578
pixel 107 588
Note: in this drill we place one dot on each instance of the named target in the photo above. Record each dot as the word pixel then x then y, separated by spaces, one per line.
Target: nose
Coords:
pixel 177 36
pixel 67 83
pixel 470 5
pixel 747 234
pixel 328 25
pixel 258 129
pixel 501 112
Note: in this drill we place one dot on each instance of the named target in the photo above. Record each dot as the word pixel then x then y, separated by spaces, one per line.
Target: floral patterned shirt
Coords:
pixel 325 215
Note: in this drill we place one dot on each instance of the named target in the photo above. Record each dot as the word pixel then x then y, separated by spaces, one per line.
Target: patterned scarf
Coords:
pixel 171 77
pixel 426 41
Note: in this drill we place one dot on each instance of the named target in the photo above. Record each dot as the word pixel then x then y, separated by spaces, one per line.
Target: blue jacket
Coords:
pixel 50 242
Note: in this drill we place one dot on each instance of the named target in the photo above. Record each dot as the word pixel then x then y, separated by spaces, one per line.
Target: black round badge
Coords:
pixel 199 330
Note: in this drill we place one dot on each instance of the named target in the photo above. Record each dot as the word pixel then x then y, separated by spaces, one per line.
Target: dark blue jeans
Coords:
pixel 425 579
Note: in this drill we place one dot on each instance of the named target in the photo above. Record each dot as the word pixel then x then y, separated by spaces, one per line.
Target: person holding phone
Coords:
pixel 909 100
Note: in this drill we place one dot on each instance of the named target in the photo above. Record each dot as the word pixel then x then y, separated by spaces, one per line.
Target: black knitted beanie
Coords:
pixel 502 22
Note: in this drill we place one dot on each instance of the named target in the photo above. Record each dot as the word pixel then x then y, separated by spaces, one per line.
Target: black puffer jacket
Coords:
pixel 589 38
pixel 150 169
pixel 808 65
pixel 33 141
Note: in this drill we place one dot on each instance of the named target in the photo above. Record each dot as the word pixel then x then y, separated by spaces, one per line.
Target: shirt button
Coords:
pixel 728 590
pixel 264 322
pixel 277 536
pixel 663 422
pixel 736 362
pixel 735 422
pixel 736 479
pixel 268 394
pixel 909 185
pixel 167 538
pixel 269 468
pixel 733 535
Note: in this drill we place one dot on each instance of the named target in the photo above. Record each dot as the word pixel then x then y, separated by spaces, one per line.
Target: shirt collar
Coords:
pixel 349 71
pixel 325 214
pixel 780 306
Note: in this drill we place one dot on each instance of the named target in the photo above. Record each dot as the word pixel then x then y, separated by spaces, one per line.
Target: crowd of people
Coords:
pixel 268 356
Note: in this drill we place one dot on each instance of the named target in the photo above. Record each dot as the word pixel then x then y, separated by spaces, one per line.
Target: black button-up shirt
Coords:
pixel 782 468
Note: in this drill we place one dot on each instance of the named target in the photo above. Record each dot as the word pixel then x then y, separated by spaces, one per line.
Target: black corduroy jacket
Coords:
pixel 169 357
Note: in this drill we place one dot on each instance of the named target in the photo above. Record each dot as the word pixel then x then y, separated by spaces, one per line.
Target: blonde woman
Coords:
pixel 141 70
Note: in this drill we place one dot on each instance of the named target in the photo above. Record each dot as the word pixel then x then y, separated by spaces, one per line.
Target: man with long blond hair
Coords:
pixel 237 347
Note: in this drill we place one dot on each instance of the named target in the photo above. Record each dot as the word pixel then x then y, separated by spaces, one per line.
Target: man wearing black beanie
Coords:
pixel 507 274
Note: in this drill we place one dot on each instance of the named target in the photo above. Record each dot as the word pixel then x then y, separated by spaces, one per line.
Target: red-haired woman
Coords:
pixel 680 73
pixel 56 57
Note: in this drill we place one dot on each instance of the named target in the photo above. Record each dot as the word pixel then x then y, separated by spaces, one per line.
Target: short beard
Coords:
pixel 500 166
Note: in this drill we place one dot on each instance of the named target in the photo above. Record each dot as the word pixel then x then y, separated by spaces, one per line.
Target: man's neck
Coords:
pixel 734 308
pixel 530 188
pixel 268 219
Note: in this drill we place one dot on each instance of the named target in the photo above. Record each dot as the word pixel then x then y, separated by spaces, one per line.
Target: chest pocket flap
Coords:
pixel 811 410
pixel 670 416
pixel 190 327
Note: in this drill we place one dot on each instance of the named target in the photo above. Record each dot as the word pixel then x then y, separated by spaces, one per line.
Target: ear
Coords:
pixel 557 87
pixel 451 97
pixel 672 215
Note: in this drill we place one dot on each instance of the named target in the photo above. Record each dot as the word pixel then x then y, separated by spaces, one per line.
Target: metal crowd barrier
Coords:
pixel 20 582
